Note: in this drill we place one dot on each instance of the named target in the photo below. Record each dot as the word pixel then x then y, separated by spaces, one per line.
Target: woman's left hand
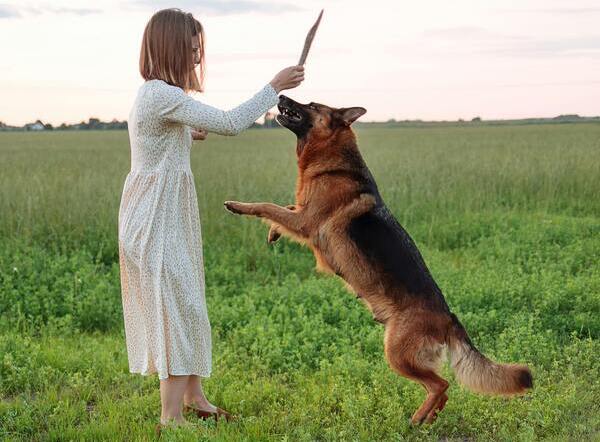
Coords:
pixel 199 135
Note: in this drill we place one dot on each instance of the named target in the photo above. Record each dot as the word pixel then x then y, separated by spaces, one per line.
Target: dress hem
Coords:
pixel 161 377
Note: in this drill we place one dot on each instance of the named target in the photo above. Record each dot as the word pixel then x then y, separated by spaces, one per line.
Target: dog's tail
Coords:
pixel 478 373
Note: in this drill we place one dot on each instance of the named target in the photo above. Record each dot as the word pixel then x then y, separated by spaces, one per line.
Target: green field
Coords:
pixel 507 218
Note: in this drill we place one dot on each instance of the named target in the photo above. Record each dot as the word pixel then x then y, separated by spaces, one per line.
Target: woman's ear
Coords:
pixel 350 114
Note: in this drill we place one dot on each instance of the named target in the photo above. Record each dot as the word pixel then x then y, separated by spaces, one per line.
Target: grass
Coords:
pixel 507 218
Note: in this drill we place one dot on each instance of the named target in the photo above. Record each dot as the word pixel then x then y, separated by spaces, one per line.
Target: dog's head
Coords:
pixel 314 122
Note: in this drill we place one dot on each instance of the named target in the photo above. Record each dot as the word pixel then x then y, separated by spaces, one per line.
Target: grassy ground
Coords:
pixel 507 218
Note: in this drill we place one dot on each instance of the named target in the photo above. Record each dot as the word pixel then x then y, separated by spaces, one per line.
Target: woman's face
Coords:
pixel 196 49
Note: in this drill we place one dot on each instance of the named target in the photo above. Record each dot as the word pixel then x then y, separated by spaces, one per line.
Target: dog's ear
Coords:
pixel 350 114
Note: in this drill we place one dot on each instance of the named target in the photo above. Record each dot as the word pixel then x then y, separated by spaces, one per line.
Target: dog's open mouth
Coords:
pixel 287 114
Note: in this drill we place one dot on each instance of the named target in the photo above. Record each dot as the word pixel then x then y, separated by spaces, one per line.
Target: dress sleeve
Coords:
pixel 177 106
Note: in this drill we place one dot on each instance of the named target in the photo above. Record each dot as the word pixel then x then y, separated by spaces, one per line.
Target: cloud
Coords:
pixel 76 11
pixel 468 33
pixel 224 7
pixel 575 46
pixel 7 11
pixel 554 11
pixel 474 39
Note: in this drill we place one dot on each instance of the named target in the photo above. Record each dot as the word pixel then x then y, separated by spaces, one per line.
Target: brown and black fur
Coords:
pixel 341 216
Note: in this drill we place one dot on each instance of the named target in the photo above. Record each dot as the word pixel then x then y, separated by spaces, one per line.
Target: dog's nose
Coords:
pixel 282 98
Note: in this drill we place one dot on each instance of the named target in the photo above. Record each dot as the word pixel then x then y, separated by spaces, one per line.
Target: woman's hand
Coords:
pixel 288 78
pixel 199 135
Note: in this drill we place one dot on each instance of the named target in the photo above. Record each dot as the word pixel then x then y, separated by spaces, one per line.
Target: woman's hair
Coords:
pixel 167 50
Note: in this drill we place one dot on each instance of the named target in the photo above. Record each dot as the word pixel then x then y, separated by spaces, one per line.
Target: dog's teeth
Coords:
pixel 290 113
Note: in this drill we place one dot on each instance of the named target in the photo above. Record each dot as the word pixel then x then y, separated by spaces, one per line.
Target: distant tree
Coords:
pixel 116 124
pixel 476 120
pixel 94 123
pixel 568 117
pixel 48 126
pixel 270 120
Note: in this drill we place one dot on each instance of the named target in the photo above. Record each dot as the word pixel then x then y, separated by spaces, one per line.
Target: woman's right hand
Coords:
pixel 288 78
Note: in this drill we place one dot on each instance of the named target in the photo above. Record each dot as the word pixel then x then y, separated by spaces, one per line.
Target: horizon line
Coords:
pixel 389 120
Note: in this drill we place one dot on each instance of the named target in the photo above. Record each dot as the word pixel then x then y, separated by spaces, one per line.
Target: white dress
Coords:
pixel 167 330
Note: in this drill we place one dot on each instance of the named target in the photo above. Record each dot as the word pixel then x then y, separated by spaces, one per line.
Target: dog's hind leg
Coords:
pixel 415 355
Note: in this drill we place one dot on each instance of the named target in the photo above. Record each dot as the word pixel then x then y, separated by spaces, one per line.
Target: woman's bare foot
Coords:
pixel 172 391
pixel 205 410
pixel 194 395
pixel 199 402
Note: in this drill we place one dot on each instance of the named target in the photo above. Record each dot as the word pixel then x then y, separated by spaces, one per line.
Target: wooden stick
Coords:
pixel 309 38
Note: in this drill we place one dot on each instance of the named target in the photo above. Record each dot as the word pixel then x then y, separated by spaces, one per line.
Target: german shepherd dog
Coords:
pixel 340 215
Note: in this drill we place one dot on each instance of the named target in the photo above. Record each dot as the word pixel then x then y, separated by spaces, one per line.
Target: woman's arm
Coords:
pixel 181 108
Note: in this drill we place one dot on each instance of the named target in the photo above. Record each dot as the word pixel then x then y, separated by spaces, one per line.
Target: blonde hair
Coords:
pixel 166 52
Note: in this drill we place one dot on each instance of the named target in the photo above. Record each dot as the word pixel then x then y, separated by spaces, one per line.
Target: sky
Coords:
pixel 67 61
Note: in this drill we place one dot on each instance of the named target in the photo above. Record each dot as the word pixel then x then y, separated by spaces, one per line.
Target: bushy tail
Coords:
pixel 478 373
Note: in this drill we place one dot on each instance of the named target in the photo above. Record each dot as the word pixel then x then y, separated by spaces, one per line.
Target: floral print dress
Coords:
pixel 167 330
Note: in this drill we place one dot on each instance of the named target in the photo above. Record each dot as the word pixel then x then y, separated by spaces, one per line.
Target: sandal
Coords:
pixel 204 414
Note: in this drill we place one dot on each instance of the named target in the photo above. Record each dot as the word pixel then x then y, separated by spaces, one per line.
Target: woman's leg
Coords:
pixel 172 390
pixel 194 395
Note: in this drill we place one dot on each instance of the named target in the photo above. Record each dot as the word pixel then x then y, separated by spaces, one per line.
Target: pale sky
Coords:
pixel 71 60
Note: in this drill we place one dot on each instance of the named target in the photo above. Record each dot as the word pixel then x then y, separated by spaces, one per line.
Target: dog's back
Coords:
pixel 385 243
pixel 378 239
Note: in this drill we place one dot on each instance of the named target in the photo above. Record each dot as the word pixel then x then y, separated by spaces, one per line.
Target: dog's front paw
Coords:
pixel 236 207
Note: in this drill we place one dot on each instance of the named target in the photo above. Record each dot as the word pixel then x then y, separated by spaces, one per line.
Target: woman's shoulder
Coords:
pixel 159 91
pixel 162 87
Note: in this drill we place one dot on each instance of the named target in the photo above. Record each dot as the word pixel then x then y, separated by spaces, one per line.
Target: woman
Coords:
pixel 167 330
